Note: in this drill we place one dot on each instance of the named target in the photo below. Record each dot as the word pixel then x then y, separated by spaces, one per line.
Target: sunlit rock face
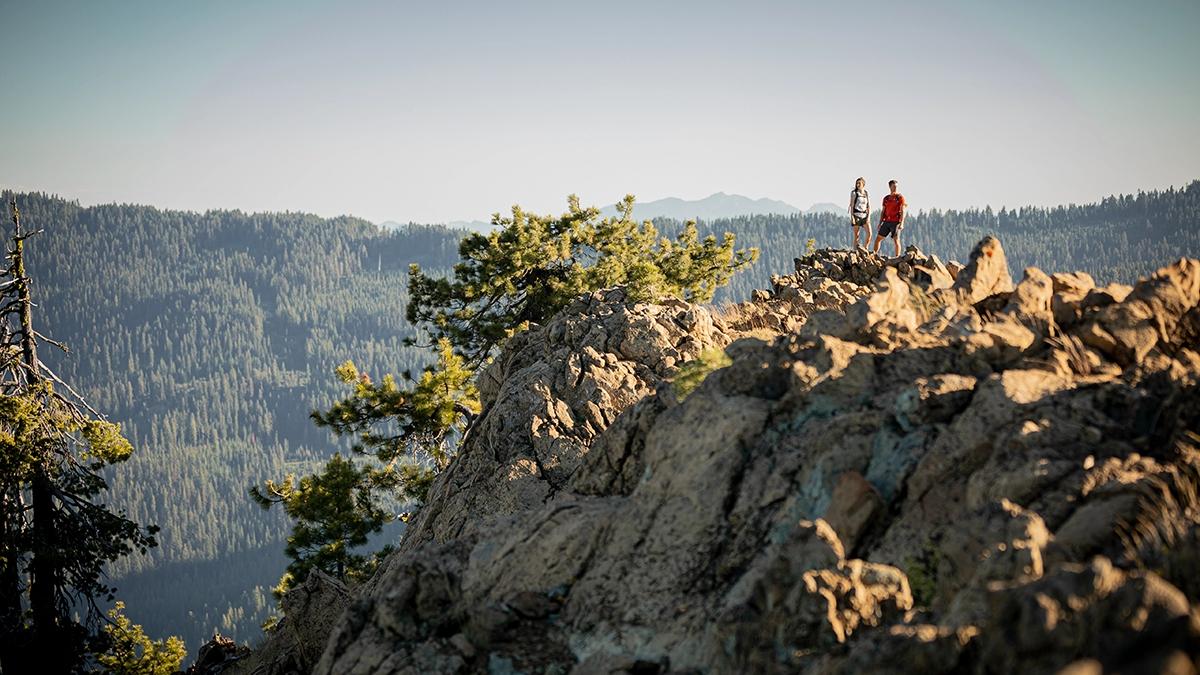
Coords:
pixel 928 468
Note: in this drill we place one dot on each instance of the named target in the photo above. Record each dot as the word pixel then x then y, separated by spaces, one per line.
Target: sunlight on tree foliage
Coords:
pixel 131 652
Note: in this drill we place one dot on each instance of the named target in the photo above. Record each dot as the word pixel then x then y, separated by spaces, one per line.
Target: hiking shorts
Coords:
pixel 889 229
pixel 858 222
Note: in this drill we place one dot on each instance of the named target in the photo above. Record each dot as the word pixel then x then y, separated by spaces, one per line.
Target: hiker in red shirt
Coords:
pixel 891 220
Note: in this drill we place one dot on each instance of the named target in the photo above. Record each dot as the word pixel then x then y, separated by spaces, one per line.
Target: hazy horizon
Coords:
pixel 436 114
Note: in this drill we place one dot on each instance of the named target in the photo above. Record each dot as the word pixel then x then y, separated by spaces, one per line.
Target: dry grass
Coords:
pixel 926 305
pixel 1075 352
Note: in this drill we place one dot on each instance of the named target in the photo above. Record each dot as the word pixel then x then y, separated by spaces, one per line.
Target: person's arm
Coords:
pixel 851 206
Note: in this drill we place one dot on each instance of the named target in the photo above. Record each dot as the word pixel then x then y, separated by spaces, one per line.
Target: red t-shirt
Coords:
pixel 893 207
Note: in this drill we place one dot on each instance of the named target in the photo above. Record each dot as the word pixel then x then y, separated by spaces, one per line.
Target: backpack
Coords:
pixel 866 199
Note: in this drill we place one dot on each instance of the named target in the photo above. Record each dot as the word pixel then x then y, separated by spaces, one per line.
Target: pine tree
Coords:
pixel 334 511
pixel 53 447
pixel 408 430
pixel 521 274
pixel 530 267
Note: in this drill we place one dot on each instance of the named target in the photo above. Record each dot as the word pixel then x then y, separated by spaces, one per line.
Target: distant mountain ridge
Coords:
pixel 716 205
pixel 826 207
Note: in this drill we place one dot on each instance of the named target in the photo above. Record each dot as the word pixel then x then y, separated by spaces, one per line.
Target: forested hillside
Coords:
pixel 211 337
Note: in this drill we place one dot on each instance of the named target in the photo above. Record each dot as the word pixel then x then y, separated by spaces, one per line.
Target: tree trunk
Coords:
pixel 43 581
pixel 11 504
pixel 43 575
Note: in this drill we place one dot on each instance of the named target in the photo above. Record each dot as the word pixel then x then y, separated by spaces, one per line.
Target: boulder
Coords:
pixel 1115 618
pixel 1129 329
pixel 809 595
pixel 219 655
pixel 985 274
pixel 853 504
pixel 1030 302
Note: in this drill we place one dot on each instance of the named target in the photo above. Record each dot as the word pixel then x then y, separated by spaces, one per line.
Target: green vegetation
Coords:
pixel 334 511
pixel 56 532
pixel 533 266
pixel 209 337
pixel 408 431
pixel 130 652
pixel 692 373
pixel 922 576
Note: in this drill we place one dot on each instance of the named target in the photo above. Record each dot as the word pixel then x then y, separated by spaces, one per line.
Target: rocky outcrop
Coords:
pixel 930 469
pixel 548 396
pixel 219 655
pixel 830 279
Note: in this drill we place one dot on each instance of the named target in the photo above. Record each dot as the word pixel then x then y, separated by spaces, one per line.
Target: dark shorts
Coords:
pixel 889 229
pixel 858 222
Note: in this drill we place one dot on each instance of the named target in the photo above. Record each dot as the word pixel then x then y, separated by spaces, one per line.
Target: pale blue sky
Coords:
pixel 443 111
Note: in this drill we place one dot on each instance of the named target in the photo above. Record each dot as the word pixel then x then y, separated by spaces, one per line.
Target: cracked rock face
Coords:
pixel 548 396
pixel 935 475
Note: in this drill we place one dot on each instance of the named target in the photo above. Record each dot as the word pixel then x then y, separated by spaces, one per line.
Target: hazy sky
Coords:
pixel 442 111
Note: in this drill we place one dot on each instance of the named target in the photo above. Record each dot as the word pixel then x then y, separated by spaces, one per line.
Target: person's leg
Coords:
pixel 878 239
pixel 855 228
pixel 896 241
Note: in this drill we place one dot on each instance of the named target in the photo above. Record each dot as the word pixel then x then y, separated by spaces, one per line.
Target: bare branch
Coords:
pixel 56 343
pixel 78 397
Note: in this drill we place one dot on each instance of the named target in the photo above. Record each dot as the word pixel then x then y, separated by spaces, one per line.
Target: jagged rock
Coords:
pixel 810 595
pixel 933 399
pixel 1074 283
pixel 219 655
pixel 1116 618
pixel 1069 290
pixel 1030 302
pixel 614 465
pixel 986 273
pixel 977 451
pixel 999 542
pixel 954 267
pixel 912 648
pixel 1128 329
pixel 853 504
pixel 883 318
pixel 549 395
pixel 933 274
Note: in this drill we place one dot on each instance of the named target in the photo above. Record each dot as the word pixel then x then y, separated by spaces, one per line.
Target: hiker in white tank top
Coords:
pixel 860 210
